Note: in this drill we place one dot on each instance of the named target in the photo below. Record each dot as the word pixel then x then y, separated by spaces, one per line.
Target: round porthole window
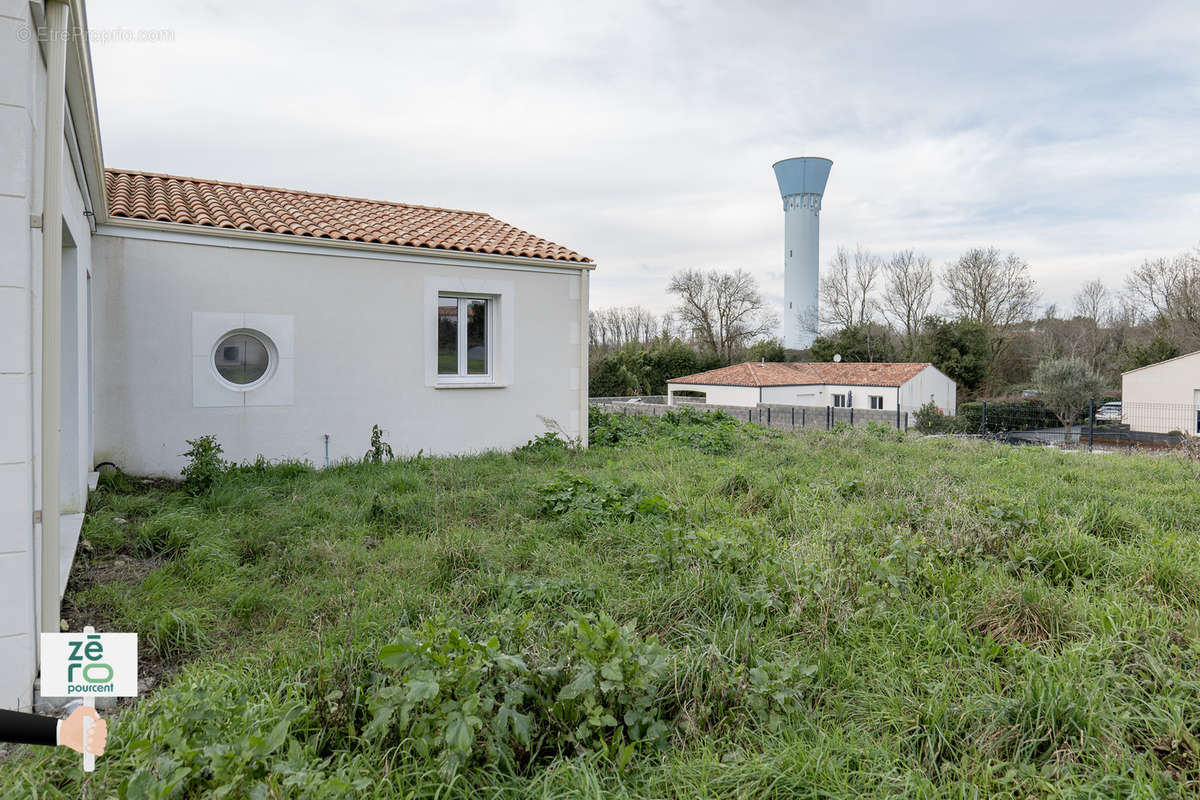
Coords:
pixel 243 359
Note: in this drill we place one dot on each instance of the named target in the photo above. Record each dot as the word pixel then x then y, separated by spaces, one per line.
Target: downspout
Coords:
pixel 52 221
pixel 584 276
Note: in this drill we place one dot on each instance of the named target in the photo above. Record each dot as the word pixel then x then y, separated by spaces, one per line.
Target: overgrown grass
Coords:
pixel 692 607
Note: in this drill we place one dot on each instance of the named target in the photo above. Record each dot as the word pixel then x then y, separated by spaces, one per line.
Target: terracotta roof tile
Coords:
pixel 236 206
pixel 753 373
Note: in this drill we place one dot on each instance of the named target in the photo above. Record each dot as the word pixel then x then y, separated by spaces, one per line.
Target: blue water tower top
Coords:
pixel 806 175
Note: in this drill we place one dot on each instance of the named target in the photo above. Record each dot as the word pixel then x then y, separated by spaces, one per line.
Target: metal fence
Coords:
pixel 1142 425
pixel 781 417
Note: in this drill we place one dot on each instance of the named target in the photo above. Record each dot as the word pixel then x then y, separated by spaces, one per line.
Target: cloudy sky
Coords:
pixel 642 133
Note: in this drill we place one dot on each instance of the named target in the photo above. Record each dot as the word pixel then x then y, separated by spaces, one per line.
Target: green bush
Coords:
pixel 459 701
pixel 205 465
pixel 638 370
pixel 547 445
pixel 594 502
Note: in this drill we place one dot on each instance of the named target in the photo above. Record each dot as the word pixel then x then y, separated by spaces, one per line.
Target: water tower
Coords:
pixel 801 183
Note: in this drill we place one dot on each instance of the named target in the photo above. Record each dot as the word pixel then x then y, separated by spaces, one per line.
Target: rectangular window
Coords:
pixel 876 400
pixel 839 401
pixel 464 336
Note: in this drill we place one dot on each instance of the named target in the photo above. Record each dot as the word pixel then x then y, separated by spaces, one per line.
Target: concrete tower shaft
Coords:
pixel 801 185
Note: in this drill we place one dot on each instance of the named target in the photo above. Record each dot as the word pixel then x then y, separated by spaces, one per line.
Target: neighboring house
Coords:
pixel 885 387
pixel 1163 397
pixel 139 310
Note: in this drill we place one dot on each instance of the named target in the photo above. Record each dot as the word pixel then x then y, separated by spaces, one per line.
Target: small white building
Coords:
pixel 875 386
pixel 138 310
pixel 1163 397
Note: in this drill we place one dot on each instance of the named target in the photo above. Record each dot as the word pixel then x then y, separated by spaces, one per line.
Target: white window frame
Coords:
pixel 461 375
pixel 502 313
pixel 268 373
pixel 839 396
pixel 875 401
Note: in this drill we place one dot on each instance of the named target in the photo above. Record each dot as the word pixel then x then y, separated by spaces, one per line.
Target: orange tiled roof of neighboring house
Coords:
pixel 753 373
pixel 236 206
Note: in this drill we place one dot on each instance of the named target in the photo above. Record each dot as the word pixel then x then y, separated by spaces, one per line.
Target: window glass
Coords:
pixel 241 358
pixel 477 351
pixel 839 401
pixel 876 401
pixel 447 336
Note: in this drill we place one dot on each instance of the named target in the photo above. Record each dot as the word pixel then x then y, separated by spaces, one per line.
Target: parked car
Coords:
pixel 1109 412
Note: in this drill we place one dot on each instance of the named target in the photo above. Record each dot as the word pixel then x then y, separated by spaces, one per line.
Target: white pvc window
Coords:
pixel 464 337
pixel 243 359
pixel 839 401
pixel 876 400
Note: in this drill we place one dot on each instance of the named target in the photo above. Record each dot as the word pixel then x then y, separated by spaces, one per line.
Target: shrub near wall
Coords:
pixel 999 417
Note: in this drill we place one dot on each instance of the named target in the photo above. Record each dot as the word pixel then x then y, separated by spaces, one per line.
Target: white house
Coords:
pixel 1163 397
pixel 139 310
pixel 877 386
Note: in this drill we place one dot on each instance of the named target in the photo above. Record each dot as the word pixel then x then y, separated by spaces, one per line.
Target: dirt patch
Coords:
pixel 118 569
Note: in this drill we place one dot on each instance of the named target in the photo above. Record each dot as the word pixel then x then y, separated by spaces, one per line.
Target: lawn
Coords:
pixel 691 607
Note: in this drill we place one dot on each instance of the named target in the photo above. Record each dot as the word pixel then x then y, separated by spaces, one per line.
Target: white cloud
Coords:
pixel 642 134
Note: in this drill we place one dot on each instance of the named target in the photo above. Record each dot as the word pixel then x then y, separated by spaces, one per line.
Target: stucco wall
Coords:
pixel 1160 398
pixel 930 383
pixel 1175 381
pixel 720 395
pixel 361 334
pixel 794 395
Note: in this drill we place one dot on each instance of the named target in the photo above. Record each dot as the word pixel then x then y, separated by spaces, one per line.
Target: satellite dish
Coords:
pixel 837 358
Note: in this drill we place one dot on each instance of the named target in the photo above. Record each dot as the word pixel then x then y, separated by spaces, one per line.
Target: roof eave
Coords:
pixel 343 244
pixel 1160 363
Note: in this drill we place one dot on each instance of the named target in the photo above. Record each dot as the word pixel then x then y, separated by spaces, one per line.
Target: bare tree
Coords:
pixel 1168 290
pixel 1092 324
pixel 908 294
pixel 992 290
pixel 846 287
pixel 723 311
pixel 615 327
pixel 995 291
pixel 1093 302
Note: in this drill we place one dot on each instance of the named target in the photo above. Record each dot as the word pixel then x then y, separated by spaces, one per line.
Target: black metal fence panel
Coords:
pixel 1094 425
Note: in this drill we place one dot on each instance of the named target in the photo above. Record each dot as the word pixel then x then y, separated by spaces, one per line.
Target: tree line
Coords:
pixel 980 319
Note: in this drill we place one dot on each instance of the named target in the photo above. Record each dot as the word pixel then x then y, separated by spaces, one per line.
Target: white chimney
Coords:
pixel 801 184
